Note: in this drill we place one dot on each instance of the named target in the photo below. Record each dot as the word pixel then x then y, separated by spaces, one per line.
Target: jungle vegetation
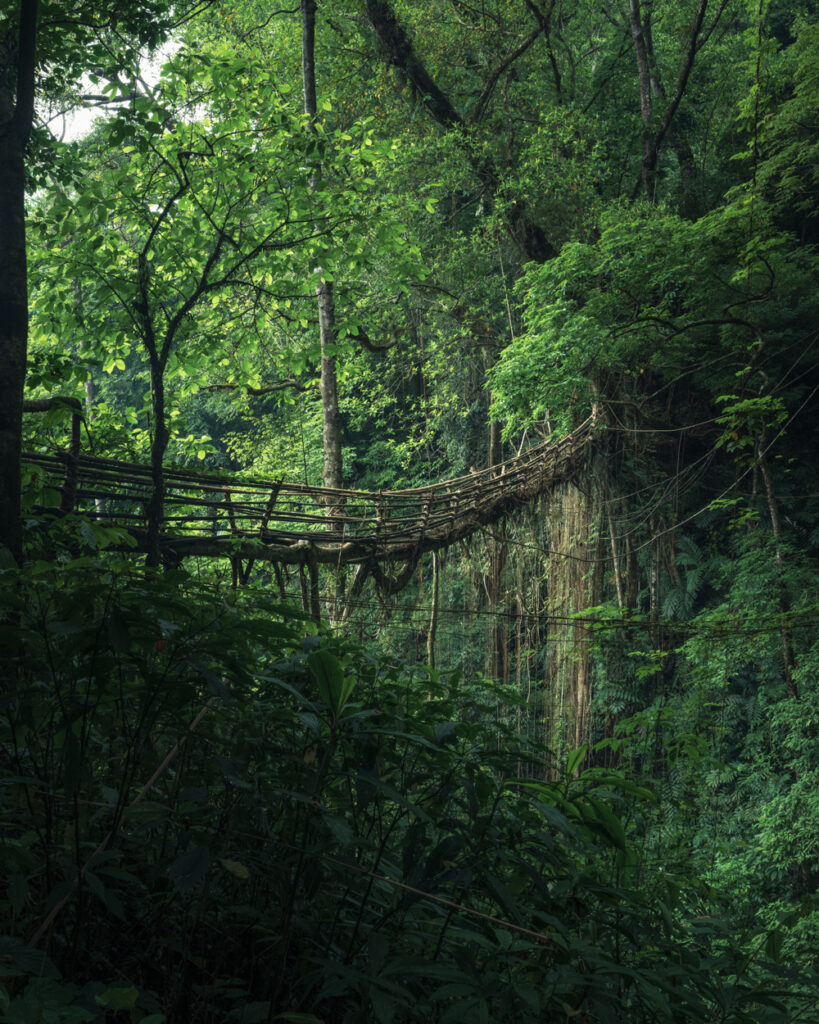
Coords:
pixel 569 771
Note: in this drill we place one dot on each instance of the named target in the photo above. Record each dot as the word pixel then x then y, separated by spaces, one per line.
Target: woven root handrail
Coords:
pixel 211 515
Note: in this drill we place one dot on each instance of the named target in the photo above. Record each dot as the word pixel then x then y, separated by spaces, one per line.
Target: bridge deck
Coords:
pixel 206 514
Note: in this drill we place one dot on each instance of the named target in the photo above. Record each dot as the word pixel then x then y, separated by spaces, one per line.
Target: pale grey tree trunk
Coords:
pixel 333 465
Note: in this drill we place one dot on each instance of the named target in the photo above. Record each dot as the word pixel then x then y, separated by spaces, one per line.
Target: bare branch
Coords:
pixel 364 339
pixel 706 35
pixel 267 389
pixel 685 71
pixel 544 20
pixel 492 81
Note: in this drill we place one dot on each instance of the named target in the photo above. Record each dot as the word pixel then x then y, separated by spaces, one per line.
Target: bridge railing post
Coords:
pixel 71 457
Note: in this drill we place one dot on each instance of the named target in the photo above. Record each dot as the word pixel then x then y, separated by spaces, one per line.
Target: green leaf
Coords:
pixel 18 958
pixel 610 824
pixel 575 759
pixel 252 1013
pixel 108 898
pixel 87 531
pixel 189 869
pixel 7 560
pixel 333 686
pixel 384 1005
pixel 119 998
pixel 17 893
pixel 235 868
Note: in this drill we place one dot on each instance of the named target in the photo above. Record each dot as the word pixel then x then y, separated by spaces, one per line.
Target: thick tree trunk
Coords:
pixel 308 50
pixel 13 335
pixel 17 59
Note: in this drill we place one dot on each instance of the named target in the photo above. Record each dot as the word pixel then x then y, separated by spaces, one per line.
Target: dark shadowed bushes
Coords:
pixel 211 814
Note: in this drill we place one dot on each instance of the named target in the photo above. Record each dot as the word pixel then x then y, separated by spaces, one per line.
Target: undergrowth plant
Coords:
pixel 212 813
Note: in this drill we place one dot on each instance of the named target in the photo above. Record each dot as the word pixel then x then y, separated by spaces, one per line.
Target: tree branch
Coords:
pixel 685 72
pixel 544 20
pixel 492 81
pixel 529 237
pixel 192 299
pixel 400 52
pixel 267 389
pixel 714 22
pixel 364 339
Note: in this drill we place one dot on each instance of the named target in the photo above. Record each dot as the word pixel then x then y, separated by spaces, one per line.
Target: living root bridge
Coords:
pixel 274 521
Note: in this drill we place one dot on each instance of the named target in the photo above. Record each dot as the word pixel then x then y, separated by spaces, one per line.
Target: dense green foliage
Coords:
pixel 208 805
pixel 571 770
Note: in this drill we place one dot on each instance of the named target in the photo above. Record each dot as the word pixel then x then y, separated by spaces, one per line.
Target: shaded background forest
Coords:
pixel 569 770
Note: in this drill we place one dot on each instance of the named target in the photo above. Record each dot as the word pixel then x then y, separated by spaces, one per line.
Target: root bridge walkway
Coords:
pixel 275 521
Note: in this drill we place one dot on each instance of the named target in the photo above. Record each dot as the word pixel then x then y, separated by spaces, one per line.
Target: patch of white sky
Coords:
pixel 77 121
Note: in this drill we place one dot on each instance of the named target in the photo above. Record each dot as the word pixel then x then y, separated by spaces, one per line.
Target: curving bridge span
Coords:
pixel 271 520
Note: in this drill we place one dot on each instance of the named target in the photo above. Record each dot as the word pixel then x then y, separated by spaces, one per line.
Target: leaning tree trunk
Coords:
pixel 17 59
